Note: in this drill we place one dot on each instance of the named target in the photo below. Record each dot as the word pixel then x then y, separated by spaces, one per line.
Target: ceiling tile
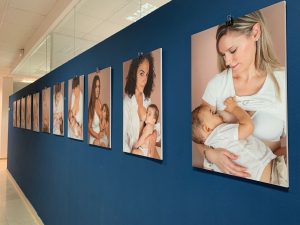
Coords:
pixel 41 7
pixel 23 18
pixel 100 9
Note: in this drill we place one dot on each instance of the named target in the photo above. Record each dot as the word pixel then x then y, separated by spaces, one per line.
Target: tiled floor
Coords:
pixel 12 209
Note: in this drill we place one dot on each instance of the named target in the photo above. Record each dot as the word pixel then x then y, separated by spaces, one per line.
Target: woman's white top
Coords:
pixel 131 122
pixel 270 110
pixel 95 126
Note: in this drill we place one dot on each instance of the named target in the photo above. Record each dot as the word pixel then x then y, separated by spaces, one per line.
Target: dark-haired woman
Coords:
pixel 95 113
pixel 138 89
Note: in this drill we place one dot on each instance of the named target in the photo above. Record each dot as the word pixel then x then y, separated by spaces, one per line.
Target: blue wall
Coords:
pixel 71 183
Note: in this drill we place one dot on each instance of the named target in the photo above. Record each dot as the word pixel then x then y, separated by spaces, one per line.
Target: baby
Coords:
pixel 141 146
pixel 208 128
pixel 104 126
pixel 73 124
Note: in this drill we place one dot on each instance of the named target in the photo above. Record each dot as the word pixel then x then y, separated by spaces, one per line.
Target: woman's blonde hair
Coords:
pixel 265 59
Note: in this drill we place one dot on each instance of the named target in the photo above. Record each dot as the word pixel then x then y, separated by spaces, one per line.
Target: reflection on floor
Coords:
pixel 13 211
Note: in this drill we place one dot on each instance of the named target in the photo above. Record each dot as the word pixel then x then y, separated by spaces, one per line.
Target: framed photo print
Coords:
pixel 239 89
pixel 75 107
pixel 36 112
pixel 142 105
pixel 58 109
pixel 46 110
pixel 99 108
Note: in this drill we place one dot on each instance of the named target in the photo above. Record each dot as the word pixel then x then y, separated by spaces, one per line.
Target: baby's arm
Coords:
pixel 246 126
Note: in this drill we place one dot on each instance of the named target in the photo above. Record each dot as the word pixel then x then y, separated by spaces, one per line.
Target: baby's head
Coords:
pixel 204 121
pixel 105 112
pixel 152 114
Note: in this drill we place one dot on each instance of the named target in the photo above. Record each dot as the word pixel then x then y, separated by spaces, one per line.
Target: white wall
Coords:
pixel 6 89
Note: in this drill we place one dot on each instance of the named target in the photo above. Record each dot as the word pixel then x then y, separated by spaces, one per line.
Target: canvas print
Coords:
pixel 14 114
pixel 239 107
pixel 28 112
pixel 142 105
pixel 23 113
pixel 18 112
pixel 46 110
pixel 99 108
pixel 75 107
pixel 58 109
pixel 36 112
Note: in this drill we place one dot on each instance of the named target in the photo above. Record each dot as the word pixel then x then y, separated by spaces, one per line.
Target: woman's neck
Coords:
pixel 248 75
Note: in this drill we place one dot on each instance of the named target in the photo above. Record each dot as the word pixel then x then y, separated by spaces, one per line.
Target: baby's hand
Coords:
pixel 230 104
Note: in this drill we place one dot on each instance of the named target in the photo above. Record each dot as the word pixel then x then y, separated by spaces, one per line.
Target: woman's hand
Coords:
pixel 224 160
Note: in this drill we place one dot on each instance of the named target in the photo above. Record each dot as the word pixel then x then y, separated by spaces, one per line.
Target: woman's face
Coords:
pixel 142 75
pixel 97 89
pixel 238 51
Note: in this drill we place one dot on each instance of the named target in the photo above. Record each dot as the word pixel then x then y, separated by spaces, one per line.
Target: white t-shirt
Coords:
pixel 252 153
pixel 270 116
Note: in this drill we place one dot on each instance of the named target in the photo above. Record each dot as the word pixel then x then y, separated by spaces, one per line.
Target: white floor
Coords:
pixel 13 211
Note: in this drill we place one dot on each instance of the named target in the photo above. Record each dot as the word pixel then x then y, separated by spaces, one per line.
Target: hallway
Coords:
pixel 13 211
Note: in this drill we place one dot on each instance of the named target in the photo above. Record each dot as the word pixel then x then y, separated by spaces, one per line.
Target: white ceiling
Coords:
pixel 79 25
pixel 19 19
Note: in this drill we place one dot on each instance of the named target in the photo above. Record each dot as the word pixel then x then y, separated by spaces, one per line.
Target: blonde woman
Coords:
pixel 252 74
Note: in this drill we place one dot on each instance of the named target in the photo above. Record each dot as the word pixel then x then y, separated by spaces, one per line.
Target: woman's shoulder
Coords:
pixel 127 100
pixel 280 75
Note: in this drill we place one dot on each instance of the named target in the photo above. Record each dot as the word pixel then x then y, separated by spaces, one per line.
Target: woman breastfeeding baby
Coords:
pixel 252 75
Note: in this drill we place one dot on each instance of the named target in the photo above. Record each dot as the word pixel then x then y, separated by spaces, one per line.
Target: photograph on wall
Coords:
pixel 14 114
pixel 142 105
pixel 58 109
pixel 36 112
pixel 18 113
pixel 99 108
pixel 239 107
pixel 28 112
pixel 75 107
pixel 46 110
pixel 23 112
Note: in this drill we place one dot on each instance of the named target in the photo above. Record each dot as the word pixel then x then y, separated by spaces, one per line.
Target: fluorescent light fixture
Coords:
pixel 143 11
pixel 27 81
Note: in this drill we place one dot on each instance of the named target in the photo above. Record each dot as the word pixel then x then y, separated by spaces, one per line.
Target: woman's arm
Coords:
pixel 224 160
